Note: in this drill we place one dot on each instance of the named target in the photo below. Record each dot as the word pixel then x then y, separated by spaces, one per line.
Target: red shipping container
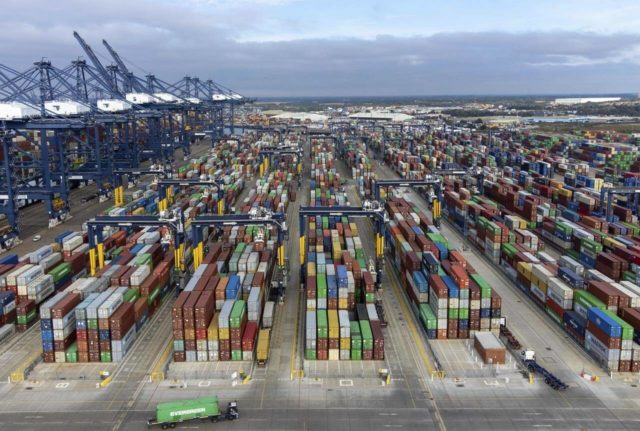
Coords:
pixel 249 336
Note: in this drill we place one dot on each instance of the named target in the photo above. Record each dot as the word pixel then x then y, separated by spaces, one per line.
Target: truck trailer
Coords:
pixel 168 415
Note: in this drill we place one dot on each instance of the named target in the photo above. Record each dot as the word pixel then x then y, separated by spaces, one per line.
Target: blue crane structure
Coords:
pixel 50 125
pixel 432 180
pixel 65 127
pixel 166 186
pixel 370 209
pixel 606 199
pixel 256 217
pixel 175 221
pixel 267 154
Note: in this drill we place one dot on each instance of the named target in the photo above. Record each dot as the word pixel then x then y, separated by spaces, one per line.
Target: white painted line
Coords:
pixel 388 414
pixel 543 426
pixel 346 382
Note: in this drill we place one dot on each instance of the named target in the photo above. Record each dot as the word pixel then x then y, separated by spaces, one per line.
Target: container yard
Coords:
pixel 174 245
pixel 225 299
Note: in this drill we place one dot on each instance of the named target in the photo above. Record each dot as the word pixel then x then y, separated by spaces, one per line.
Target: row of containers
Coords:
pixel 224 312
pixel 25 282
pixel 95 317
pixel 592 290
pixel 361 167
pixel 342 320
pixel 450 298
pixel 578 290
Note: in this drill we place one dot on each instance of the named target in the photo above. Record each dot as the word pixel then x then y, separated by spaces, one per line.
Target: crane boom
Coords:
pixel 106 76
pixel 131 81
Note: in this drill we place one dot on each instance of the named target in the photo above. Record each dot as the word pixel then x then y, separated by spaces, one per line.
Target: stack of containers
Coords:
pixel 450 299
pixel 361 169
pixel 601 255
pixel 337 283
pixel 199 333
pixel 7 308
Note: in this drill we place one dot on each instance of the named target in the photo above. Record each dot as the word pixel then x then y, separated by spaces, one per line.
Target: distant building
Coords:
pixel 302 116
pixel 374 115
pixel 579 100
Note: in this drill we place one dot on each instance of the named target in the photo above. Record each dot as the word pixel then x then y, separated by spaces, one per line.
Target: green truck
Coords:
pixel 168 415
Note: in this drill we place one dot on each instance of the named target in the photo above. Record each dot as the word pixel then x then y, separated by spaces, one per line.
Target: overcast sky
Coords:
pixel 347 47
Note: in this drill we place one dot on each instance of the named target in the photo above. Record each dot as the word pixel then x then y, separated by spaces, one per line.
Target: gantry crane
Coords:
pixel 267 153
pixel 166 187
pixel 606 198
pixel 175 221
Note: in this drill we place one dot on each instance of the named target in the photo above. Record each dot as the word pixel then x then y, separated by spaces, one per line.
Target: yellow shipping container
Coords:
pixel 334 324
pixel 343 303
pixel 354 229
pixel 223 333
pixel 311 269
pixel 138 211
pixel 555 184
pixel 534 280
pixel 565 192
pixel 612 243
pixel 524 268
pixel 262 350
pixel 345 343
pixel 212 330
pixel 542 286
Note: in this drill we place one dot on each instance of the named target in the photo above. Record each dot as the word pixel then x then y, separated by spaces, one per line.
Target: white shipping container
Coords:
pixel 267 315
pixel 225 313
pixel 50 261
pixel 140 274
pixel 71 242
pixel 92 309
pixel 12 277
pixel 45 309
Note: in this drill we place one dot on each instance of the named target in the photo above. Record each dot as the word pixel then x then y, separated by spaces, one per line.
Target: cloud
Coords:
pixel 172 40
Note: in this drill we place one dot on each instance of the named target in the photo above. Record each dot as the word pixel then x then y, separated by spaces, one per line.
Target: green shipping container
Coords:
pixel 509 250
pixel 367 335
pixel 627 330
pixel 356 354
pixel 590 245
pixel 130 295
pixel 427 317
pixel 105 356
pixel 310 354
pixel 463 313
pixel 452 313
pixel 485 289
pixel 179 411
pixel 236 355
pixel 587 300
pixel 237 314
pixel 152 297
pixel 71 354
pixel 92 323
pixel 322 324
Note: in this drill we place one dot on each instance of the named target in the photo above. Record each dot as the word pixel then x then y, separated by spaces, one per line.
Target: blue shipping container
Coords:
pixel 604 322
